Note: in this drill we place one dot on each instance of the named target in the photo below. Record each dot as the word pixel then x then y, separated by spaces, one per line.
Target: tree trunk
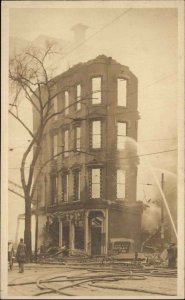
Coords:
pixel 27 231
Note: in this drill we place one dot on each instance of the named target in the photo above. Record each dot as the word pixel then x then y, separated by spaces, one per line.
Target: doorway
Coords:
pixel 65 235
pixel 95 241
pixel 96 229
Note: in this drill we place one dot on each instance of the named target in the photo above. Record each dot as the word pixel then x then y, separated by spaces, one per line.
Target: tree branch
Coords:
pixel 24 125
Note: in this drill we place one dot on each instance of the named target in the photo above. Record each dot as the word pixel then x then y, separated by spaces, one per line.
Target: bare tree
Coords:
pixel 31 79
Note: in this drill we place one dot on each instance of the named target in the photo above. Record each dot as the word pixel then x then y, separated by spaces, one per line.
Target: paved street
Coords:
pixel 92 280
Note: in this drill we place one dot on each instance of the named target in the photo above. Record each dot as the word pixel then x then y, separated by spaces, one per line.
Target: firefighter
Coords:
pixel 21 255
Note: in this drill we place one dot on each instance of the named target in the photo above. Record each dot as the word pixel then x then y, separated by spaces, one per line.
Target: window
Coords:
pixel 78 97
pixel 120 184
pixel 95 183
pixel 96 134
pixel 76 185
pixel 121 135
pixel 66 103
pixel 54 188
pixel 65 187
pixel 55 103
pixel 66 143
pixel 55 145
pixel 122 91
pixel 96 90
pixel 77 138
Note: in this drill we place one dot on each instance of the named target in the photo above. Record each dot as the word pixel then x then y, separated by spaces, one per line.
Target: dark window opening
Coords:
pixel 65 187
pixel 76 177
pixel 77 138
pixel 54 189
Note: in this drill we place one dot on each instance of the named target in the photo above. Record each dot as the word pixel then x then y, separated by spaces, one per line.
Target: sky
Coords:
pixel 145 39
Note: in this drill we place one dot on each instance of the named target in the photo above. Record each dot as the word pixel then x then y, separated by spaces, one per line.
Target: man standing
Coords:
pixel 21 255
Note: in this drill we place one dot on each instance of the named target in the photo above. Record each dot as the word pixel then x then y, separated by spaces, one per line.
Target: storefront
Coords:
pixel 84 230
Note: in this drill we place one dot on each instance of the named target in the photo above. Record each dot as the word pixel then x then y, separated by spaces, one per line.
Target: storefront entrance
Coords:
pixel 65 235
pixel 96 220
pixel 96 241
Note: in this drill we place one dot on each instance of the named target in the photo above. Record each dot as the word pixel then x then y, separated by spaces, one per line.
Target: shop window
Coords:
pixel 78 97
pixel 121 135
pixel 96 90
pixel 120 184
pixel 66 103
pixel 122 92
pixel 77 138
pixel 95 183
pixel 79 237
pixel 76 185
pixel 65 187
pixel 66 143
pixel 96 134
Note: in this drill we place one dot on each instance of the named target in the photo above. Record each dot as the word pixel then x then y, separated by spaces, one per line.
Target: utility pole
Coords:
pixel 162 213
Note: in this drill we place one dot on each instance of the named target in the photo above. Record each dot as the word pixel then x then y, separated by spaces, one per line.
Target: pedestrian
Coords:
pixel 21 255
pixel 10 254
pixel 172 255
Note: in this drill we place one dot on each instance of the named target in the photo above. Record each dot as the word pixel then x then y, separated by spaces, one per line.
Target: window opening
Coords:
pixel 96 134
pixel 96 90
pixel 66 103
pixel 122 91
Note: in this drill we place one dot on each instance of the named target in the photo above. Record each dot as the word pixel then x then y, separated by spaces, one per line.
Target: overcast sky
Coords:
pixel 143 39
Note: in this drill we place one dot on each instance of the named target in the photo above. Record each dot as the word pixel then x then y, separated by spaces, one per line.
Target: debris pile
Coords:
pixel 52 254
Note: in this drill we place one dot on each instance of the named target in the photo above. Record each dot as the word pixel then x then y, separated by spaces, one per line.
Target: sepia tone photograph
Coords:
pixel 92 199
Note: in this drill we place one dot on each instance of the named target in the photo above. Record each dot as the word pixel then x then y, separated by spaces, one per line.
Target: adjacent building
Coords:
pixel 87 192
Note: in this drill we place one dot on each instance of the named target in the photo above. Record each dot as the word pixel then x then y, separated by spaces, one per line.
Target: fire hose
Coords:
pixel 117 274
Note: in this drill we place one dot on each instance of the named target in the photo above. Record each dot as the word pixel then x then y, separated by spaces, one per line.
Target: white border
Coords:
pixel 6 5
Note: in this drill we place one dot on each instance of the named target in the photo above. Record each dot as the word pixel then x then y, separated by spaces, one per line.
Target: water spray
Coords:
pixel 158 185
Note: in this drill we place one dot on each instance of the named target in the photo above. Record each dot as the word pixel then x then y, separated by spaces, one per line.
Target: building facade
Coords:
pixel 87 192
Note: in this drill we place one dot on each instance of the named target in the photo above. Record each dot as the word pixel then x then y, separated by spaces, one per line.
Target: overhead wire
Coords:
pixel 120 158
pixel 134 111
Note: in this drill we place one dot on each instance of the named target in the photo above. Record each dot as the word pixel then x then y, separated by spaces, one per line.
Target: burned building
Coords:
pixel 87 192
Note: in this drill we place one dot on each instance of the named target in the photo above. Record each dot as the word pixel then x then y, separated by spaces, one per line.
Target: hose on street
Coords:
pixel 130 289
pixel 110 275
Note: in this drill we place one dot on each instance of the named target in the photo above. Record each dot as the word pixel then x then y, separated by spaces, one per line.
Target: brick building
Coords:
pixel 87 193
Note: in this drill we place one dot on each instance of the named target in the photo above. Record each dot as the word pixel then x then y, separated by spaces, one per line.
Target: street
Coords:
pixel 91 280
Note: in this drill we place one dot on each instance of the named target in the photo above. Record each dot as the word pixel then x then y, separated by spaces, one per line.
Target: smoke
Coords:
pixel 151 218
